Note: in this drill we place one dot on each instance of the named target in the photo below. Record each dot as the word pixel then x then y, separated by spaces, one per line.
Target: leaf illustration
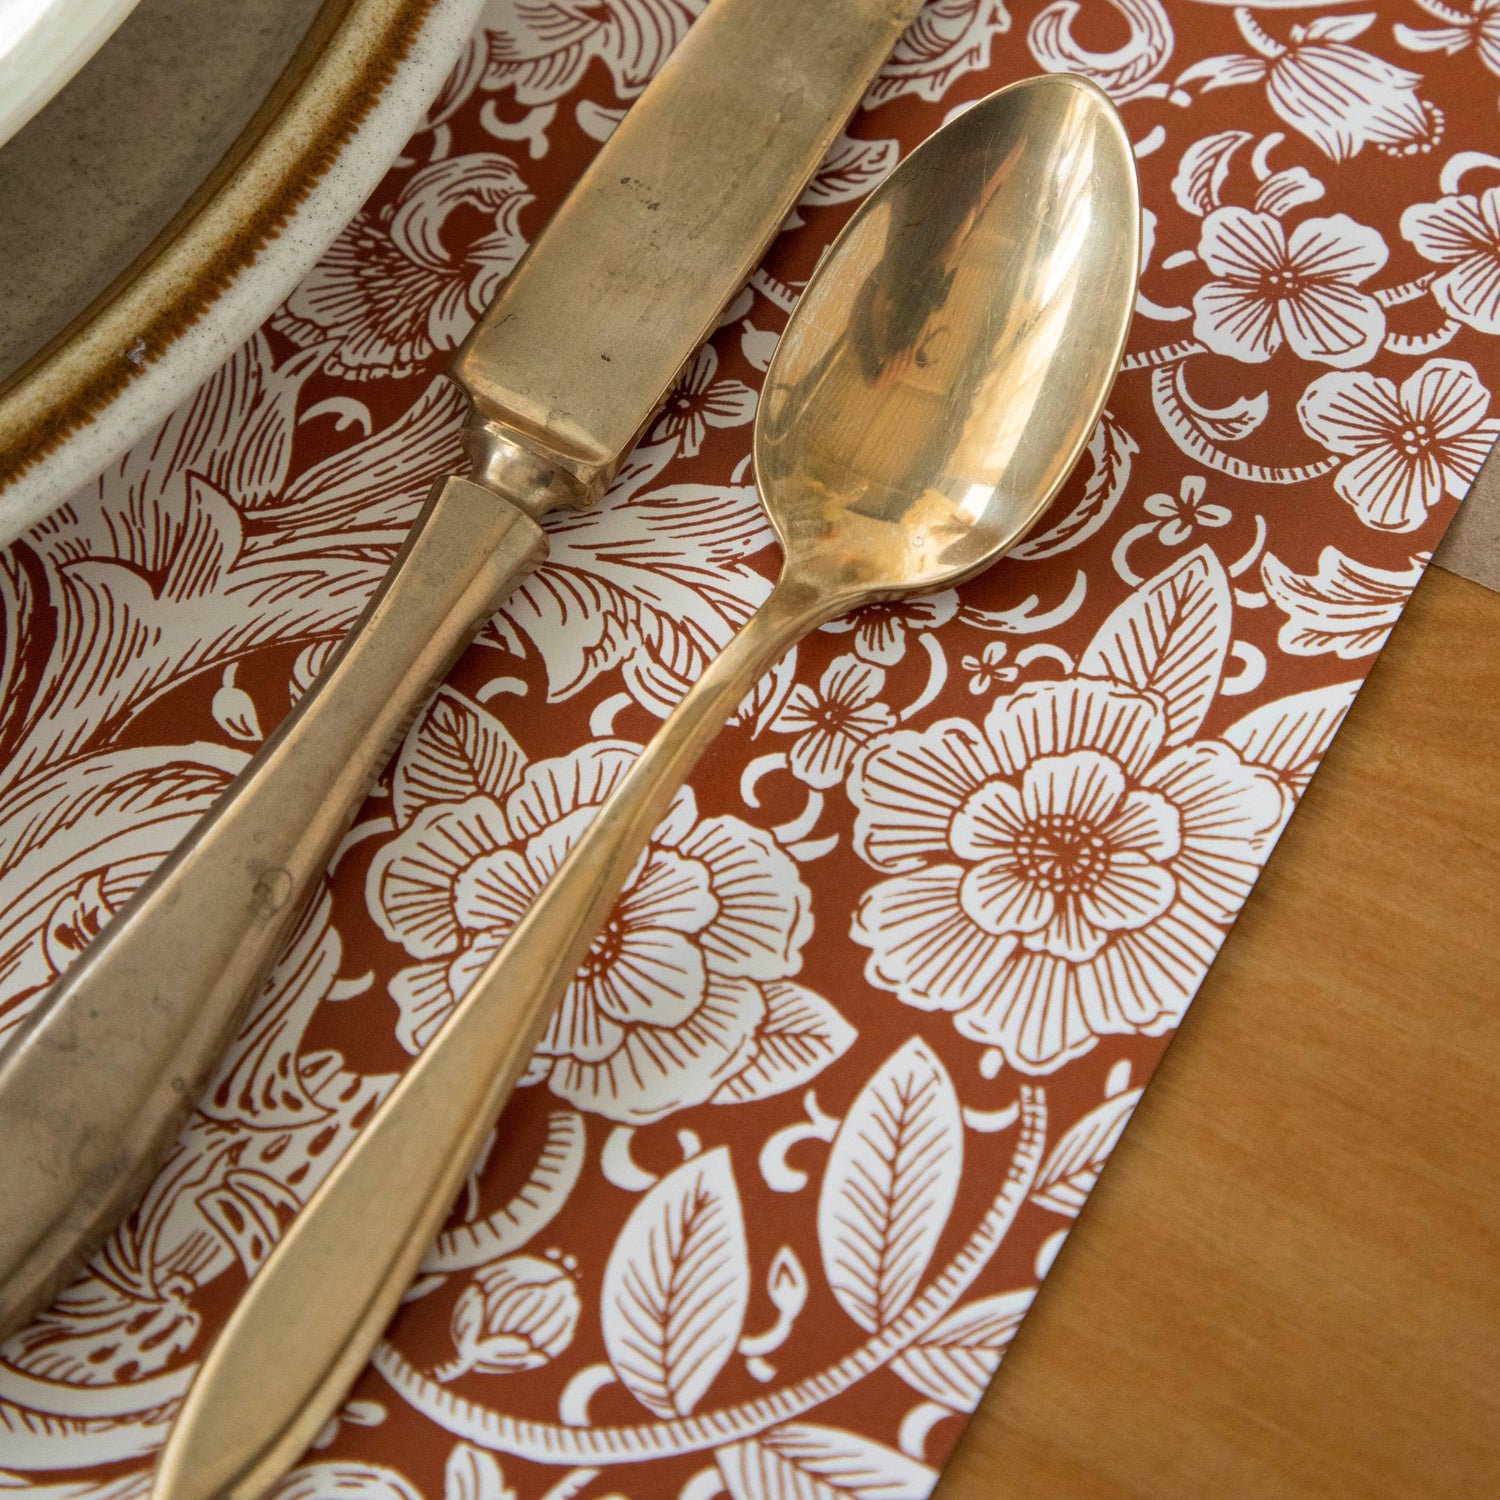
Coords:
pixel 473 1474
pixel 892 1175
pixel 249 1209
pixel 804 1461
pixel 1291 734
pixel 1345 609
pixel 851 169
pixel 1069 1175
pixel 1204 166
pixel 1111 450
pixel 454 751
pixel 1170 637
pixel 76 841
pixel 801 1035
pixel 346 1481
pixel 677 1286
pixel 955 1361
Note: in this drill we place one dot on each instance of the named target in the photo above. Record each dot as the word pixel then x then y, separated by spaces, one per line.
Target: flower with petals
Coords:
pixel 1479 29
pixel 1182 512
pixel 517 1314
pixel 1462 231
pixel 699 402
pixel 1061 875
pixel 666 1005
pixel 985 670
pixel 1407 447
pixel 1339 97
pixel 394 289
pixel 1301 289
pixel 833 721
pixel 881 630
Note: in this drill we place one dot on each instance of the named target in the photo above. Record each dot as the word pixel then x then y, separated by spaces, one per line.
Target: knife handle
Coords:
pixel 314 1311
pixel 97 1083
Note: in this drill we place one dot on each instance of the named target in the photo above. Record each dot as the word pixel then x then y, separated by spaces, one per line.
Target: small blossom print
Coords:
pixel 699 402
pixel 1182 512
pixel 881 631
pixel 1301 288
pixel 832 722
pixel 517 1314
pixel 1463 232
pixel 1407 446
pixel 986 669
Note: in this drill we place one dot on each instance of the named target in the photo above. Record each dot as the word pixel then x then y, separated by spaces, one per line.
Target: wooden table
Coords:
pixel 1288 1281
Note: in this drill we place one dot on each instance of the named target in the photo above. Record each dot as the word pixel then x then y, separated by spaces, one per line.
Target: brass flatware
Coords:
pixel 565 370
pixel 935 385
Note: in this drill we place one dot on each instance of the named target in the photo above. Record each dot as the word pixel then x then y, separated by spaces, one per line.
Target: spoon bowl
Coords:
pixel 941 375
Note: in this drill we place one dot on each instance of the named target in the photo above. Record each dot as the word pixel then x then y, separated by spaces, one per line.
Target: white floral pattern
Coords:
pixel 1065 873
pixel 1462 231
pixel 1337 95
pixel 1408 446
pixel 832 721
pixel 1301 288
pixel 761 1165
pixel 667 1007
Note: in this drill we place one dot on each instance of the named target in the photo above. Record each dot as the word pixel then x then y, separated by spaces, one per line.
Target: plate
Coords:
pixel 141 243
pixel 43 43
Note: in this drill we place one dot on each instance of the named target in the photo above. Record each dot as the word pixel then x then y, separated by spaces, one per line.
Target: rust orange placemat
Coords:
pixel 883 992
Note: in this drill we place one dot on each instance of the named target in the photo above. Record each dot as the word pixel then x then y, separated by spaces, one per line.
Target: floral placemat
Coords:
pixel 854 1047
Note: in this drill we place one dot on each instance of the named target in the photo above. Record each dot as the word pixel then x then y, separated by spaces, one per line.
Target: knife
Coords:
pixel 564 372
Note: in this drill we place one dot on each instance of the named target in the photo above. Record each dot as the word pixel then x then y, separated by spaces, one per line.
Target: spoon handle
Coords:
pixel 311 1317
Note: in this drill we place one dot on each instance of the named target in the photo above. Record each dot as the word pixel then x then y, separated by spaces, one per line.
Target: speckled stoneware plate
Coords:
pixel 43 43
pixel 157 211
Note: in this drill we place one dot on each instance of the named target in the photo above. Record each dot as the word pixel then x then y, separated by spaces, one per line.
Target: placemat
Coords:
pixel 883 993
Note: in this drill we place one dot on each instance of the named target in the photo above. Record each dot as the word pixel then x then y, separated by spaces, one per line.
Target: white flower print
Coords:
pixel 699 402
pixel 1300 288
pixel 832 722
pixel 668 1003
pixel 947 39
pixel 541 48
pixel 1345 609
pixel 1480 28
pixel 1462 231
pixel 986 669
pixel 392 289
pixel 881 630
pixel 1407 447
pixel 1338 96
pixel 1180 513
pixel 1060 875
pixel 654 582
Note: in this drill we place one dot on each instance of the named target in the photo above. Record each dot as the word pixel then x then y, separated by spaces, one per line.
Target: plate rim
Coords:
pixel 358 84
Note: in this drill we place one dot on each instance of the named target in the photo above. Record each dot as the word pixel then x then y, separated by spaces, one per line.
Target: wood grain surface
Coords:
pixel 1287 1283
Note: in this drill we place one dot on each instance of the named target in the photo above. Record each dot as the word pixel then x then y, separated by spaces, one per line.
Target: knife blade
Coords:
pixel 564 372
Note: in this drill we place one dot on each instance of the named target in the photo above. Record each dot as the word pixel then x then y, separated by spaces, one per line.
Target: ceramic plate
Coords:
pixel 43 43
pixel 161 207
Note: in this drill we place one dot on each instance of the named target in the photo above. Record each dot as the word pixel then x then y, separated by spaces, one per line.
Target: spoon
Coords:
pixel 939 378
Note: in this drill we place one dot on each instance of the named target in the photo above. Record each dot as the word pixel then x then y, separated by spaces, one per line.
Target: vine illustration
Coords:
pixel 558 1443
